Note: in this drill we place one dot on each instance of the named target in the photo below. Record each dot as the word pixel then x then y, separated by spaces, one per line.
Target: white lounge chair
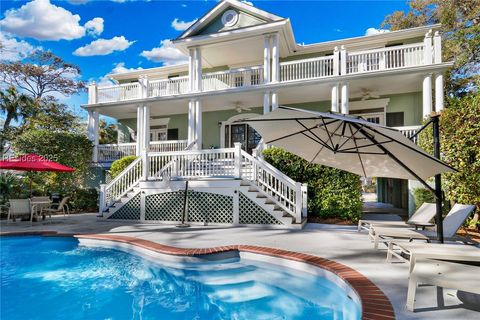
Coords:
pixel 421 218
pixel 58 207
pixel 20 207
pixel 452 222
pixel 442 274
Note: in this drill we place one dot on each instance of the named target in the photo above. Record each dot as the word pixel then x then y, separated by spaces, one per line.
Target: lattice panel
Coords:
pixel 166 206
pixel 210 207
pixel 251 213
pixel 129 211
pixel 202 206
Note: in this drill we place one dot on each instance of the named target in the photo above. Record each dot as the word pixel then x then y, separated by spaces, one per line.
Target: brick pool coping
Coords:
pixel 375 304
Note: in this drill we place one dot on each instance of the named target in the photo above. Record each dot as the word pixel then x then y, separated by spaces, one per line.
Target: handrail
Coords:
pixel 284 63
pixel 393 48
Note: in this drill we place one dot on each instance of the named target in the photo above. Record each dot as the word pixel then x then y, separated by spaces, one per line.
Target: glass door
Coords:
pixel 243 133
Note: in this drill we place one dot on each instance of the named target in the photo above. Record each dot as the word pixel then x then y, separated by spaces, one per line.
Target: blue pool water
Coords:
pixel 55 278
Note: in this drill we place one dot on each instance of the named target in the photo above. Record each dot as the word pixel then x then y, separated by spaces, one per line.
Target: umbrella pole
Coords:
pixel 438 177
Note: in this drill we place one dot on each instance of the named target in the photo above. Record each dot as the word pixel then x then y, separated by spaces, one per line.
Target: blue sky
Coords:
pixel 134 34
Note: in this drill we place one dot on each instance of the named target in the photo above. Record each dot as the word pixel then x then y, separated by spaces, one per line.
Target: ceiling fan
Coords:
pixel 369 94
pixel 240 108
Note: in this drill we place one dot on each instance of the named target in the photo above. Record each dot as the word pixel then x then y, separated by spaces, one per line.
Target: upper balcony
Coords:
pixel 339 64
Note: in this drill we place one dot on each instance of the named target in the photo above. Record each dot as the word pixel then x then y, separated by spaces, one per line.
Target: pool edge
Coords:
pixel 375 304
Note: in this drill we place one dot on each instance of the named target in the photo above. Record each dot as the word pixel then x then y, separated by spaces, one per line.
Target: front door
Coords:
pixel 243 133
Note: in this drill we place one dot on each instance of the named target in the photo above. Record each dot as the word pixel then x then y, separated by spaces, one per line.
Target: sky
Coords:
pixel 113 36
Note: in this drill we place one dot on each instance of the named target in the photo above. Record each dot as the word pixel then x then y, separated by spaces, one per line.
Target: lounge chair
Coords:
pixel 58 208
pixel 452 222
pixel 442 274
pixel 421 218
pixel 20 207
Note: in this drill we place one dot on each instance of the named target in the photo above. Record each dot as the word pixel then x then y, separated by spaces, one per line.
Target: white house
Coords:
pixel 183 120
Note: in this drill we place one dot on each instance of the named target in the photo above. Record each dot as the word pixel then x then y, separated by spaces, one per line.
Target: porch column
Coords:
pixel 198 124
pixel 438 92
pixel 427 50
pixel 274 101
pixel 92 93
pixel 143 85
pixel 146 142
pixel 139 137
pixel 191 121
pixel 336 61
pixel 266 59
pixel 427 95
pixel 345 106
pixel 437 47
pixel 266 102
pixel 198 69
pixel 275 58
pixel 343 60
pixel 95 135
pixel 335 98
pixel 191 69
pixel 90 125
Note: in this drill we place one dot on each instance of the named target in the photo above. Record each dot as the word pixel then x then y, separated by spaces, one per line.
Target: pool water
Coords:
pixel 56 278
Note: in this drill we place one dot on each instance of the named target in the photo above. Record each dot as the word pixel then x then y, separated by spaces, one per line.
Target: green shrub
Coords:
pixel 422 195
pixel 331 192
pixel 84 199
pixel 119 165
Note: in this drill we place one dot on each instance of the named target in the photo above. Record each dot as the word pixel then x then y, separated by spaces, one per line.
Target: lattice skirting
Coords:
pixel 251 213
pixel 202 207
pixel 129 211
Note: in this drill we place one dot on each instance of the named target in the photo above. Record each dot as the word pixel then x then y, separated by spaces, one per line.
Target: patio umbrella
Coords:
pixel 348 143
pixel 33 162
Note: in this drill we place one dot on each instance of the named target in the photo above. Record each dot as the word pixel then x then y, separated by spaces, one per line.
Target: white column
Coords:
pixel 345 106
pixel 266 102
pixel 335 98
pixel 439 92
pixel 143 85
pixel 146 142
pixel 266 59
pixel 275 58
pixel 238 159
pixel 140 135
pixel 191 121
pixel 198 67
pixel 274 101
pixel 191 69
pixel 343 60
pixel 95 135
pixel 437 47
pixel 336 61
pixel 427 50
pixel 92 93
pixel 427 95
pixel 198 124
pixel 90 125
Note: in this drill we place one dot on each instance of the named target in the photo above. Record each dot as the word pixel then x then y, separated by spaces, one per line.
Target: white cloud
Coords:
pixel 166 53
pixel 373 31
pixel 41 20
pixel 94 27
pixel 102 47
pixel 117 69
pixel 12 49
pixel 180 25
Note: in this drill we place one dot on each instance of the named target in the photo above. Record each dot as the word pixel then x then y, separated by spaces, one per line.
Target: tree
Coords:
pixel 107 132
pixel 43 73
pixel 54 116
pixel 461 36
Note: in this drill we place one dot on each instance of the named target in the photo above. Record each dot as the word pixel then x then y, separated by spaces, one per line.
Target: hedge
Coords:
pixel 119 165
pixel 332 193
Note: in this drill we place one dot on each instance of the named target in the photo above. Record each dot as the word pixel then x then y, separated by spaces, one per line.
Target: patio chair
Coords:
pixel 421 218
pixel 58 208
pixel 20 207
pixel 452 222
pixel 442 274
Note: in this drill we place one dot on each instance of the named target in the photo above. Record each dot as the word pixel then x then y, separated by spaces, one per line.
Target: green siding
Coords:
pixel 408 103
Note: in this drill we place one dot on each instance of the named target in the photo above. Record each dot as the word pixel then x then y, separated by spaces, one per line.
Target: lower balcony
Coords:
pixel 115 151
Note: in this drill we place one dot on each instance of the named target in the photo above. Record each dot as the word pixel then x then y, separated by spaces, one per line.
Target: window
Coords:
pixel 395 119
pixel 243 133
pixel 229 18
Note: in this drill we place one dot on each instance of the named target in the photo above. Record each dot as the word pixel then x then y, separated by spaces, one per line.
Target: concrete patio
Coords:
pixel 340 243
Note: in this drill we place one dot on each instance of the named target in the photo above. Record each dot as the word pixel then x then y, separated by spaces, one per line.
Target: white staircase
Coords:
pixel 263 184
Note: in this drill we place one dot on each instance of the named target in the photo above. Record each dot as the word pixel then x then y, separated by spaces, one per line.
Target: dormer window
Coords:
pixel 230 18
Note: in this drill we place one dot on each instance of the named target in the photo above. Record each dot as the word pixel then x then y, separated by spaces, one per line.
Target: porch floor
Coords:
pixel 340 243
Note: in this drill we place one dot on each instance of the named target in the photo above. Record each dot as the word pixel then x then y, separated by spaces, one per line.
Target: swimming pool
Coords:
pixel 56 278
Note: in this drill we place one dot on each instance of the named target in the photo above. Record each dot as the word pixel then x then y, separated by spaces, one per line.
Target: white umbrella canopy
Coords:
pixel 347 143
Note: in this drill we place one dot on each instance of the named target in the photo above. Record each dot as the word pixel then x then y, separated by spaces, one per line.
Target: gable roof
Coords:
pixel 216 11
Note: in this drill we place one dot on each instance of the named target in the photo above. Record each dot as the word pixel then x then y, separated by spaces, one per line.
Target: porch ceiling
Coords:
pixel 289 93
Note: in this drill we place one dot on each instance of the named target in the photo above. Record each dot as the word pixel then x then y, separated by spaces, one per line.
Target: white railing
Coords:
pixel 386 58
pixel 121 184
pixel 112 152
pixel 409 131
pixel 122 92
pixel 168 145
pixel 242 77
pixel 168 87
pixel 306 69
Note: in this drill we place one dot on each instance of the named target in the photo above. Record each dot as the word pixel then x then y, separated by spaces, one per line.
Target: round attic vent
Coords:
pixel 229 18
